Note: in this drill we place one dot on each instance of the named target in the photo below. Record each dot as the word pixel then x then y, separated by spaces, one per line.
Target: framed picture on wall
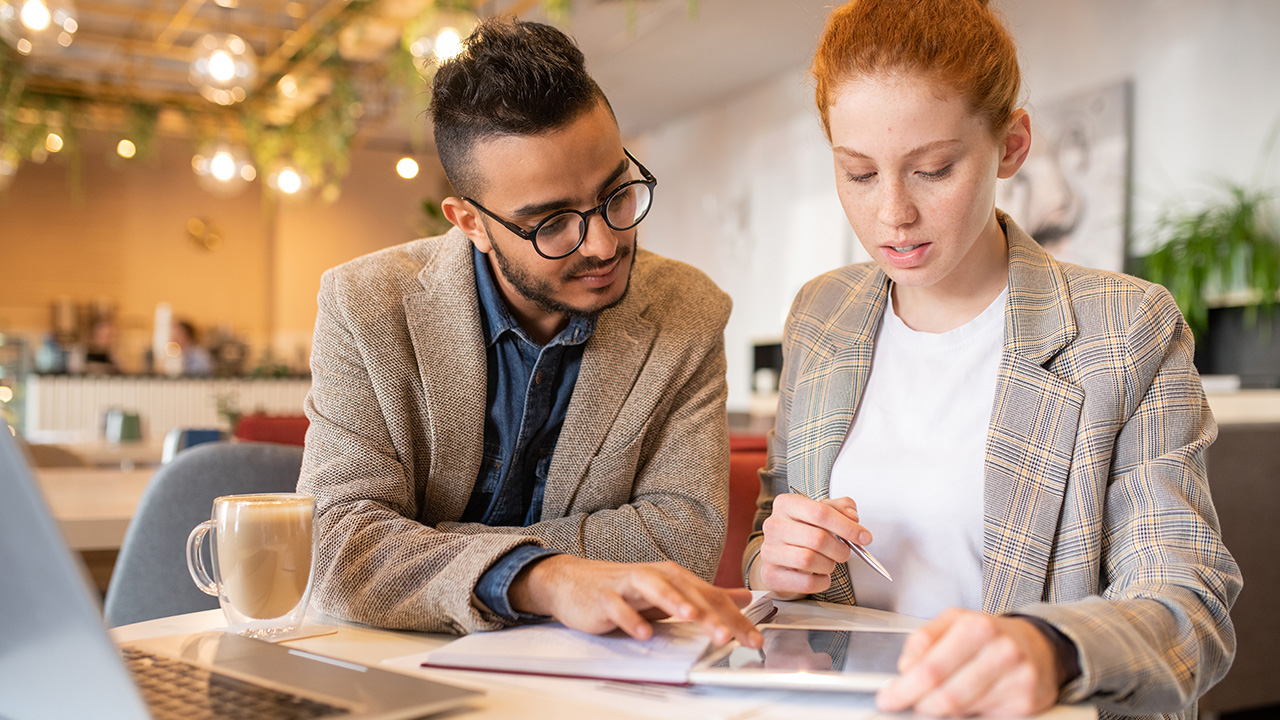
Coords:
pixel 1071 194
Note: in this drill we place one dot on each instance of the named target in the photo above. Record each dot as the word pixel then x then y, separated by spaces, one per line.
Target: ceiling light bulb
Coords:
pixel 126 149
pixel 438 35
pixel 407 168
pixel 223 166
pixel 221 66
pixel 448 44
pixel 53 143
pixel 289 181
pixel 37 27
pixel 35 15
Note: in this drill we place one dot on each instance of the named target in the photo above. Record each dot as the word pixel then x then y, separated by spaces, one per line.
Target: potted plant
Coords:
pixel 1221 263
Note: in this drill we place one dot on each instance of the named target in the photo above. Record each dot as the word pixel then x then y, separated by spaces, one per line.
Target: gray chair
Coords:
pixel 150 578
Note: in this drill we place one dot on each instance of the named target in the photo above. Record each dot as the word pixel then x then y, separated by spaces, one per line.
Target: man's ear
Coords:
pixel 1017 144
pixel 468 220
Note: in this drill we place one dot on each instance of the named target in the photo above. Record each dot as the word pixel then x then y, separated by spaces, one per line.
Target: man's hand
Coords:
pixel 799 550
pixel 597 597
pixel 970 663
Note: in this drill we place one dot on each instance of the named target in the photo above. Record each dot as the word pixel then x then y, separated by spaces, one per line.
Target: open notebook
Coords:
pixel 553 649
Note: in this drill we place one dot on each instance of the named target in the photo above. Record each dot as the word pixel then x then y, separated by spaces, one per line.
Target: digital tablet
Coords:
pixel 809 659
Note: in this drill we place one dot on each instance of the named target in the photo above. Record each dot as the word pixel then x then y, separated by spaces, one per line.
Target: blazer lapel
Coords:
pixel 611 363
pixel 830 382
pixel 444 327
pixel 1031 437
pixel 828 388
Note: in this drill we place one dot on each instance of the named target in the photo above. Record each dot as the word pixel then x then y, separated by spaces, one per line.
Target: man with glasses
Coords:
pixel 524 417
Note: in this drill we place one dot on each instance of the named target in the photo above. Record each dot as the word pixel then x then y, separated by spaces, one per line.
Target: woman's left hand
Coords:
pixel 969 663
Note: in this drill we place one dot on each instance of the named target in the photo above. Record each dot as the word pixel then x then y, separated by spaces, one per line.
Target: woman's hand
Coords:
pixel 800 545
pixel 965 663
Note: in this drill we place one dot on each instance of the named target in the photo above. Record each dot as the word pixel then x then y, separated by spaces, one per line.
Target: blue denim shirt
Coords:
pixel 528 391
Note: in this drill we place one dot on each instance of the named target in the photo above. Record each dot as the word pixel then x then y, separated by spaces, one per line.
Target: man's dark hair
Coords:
pixel 512 78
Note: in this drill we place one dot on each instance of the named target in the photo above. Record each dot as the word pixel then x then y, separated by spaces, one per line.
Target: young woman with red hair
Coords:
pixel 1024 437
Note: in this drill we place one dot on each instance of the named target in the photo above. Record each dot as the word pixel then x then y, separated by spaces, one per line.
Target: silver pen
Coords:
pixel 857 549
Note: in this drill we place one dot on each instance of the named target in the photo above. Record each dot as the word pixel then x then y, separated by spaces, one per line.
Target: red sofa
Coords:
pixel 281 429
pixel 747 455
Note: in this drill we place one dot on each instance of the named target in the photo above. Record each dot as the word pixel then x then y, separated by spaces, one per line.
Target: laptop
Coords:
pixel 57 660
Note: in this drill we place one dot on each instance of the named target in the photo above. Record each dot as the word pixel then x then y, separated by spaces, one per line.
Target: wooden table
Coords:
pixel 546 698
pixel 93 506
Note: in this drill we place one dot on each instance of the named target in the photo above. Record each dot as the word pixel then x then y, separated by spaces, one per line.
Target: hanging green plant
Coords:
pixel 140 127
pixel 557 10
pixel 412 78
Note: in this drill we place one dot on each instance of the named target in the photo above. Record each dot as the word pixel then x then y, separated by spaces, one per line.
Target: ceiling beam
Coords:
pixel 178 24
pixel 131 46
pixel 280 58
pixel 90 9
pixel 113 93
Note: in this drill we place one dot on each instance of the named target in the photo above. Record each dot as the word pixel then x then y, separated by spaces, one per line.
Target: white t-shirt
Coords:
pixel 913 461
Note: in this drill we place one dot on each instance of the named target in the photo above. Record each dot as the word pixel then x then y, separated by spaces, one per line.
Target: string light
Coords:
pixel 407 168
pixel 223 168
pixel 288 180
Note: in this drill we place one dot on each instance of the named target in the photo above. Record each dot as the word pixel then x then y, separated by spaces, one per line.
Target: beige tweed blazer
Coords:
pixel 397 407
pixel 1097 509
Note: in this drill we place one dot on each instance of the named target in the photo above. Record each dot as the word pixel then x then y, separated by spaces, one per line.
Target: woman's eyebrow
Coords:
pixel 913 153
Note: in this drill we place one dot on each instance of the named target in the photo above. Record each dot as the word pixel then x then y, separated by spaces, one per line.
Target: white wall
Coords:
pixel 746 191
pixel 1206 80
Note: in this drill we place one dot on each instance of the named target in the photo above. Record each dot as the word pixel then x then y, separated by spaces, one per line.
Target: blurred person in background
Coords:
pixel 196 360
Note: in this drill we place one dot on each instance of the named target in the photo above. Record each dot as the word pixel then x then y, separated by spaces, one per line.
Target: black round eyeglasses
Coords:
pixel 561 233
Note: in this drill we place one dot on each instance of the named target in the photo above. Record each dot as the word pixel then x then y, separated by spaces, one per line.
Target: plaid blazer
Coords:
pixel 1097 515
pixel 397 409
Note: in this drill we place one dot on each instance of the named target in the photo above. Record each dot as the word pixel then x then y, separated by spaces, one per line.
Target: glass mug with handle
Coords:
pixel 262 552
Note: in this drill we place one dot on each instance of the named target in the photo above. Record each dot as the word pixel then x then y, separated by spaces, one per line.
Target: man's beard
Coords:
pixel 540 292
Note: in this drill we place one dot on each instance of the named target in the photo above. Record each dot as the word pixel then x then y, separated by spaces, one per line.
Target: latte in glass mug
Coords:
pixel 262 554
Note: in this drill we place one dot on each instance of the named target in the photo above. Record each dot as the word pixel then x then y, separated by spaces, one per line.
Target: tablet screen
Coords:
pixel 819 659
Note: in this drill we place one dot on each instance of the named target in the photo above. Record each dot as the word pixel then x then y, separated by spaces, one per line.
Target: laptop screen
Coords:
pixel 56 659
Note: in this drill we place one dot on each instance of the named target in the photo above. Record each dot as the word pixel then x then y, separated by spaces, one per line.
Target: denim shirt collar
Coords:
pixel 496 319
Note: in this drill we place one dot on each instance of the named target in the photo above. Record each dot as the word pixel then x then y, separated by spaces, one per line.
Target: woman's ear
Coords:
pixel 1017 144
pixel 464 216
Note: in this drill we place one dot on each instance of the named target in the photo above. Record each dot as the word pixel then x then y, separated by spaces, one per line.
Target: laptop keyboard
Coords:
pixel 182 691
